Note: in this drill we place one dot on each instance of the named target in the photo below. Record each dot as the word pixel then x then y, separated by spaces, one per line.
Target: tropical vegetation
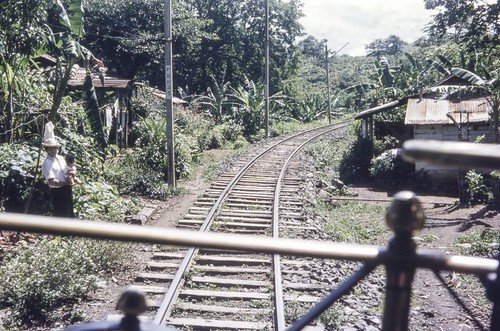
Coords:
pixel 218 71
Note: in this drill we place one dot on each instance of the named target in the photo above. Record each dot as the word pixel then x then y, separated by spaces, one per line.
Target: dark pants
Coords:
pixel 62 200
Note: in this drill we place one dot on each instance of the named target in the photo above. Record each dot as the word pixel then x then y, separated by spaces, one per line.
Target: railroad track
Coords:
pixel 203 289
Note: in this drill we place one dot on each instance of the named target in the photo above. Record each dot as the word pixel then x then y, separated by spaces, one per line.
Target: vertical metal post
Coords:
pixel 493 293
pixel 404 217
pixel 168 94
pixel 327 67
pixel 266 124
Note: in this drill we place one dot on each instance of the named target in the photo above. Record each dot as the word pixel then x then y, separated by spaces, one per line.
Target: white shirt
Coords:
pixel 53 167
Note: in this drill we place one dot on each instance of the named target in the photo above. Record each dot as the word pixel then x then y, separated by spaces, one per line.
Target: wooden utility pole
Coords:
pixel 266 96
pixel 168 94
pixel 327 67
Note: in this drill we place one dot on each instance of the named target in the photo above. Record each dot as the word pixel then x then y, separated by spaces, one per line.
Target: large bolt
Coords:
pixel 405 215
pixel 132 302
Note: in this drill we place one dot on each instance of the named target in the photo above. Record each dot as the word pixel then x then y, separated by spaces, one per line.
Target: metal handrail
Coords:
pixel 237 242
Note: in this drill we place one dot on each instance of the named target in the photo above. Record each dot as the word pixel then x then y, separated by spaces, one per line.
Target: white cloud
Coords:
pixel 359 22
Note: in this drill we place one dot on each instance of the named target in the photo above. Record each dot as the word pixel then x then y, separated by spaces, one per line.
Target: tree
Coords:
pixel 215 101
pixel 312 48
pixel 489 87
pixel 471 23
pixel 392 45
pixel 64 45
pixel 222 39
pixel 22 32
pixel 249 102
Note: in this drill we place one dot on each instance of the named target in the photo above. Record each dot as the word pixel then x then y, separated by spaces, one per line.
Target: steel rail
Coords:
pixel 173 289
pixel 248 243
pixel 279 310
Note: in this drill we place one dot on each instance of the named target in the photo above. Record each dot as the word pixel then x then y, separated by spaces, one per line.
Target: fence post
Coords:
pixel 404 216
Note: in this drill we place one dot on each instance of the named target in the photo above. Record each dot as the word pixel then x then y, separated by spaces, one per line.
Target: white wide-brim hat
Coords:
pixel 49 139
pixel 51 142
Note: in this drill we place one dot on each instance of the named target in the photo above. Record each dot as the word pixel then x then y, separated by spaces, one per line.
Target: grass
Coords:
pixel 478 242
pixel 354 222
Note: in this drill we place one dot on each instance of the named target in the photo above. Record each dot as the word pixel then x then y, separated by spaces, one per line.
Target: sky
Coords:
pixel 359 22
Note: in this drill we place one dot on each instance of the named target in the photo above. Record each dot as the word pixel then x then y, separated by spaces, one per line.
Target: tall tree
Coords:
pixel 473 23
pixel 222 39
pixel 392 45
pixel 22 32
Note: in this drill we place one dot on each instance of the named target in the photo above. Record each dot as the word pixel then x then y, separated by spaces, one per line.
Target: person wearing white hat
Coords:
pixel 53 170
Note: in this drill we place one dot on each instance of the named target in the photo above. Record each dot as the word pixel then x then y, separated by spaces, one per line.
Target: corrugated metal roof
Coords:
pixel 432 111
pixel 78 75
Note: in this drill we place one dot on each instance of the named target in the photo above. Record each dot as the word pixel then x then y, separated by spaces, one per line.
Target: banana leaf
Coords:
pixel 92 110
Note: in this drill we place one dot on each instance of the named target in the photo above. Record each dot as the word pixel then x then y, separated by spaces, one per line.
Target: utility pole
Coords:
pixel 168 94
pixel 327 67
pixel 266 93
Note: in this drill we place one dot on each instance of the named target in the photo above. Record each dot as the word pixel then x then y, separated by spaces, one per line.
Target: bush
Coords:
pixel 42 277
pixel 390 172
pixel 132 176
pixel 101 201
pixel 355 163
pixel 17 173
pixel 476 189
pixel 186 151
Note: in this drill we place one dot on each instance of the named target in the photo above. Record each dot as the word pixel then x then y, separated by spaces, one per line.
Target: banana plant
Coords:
pixel 216 100
pixel 66 47
pixel 487 86
pixel 249 103
pixel 68 50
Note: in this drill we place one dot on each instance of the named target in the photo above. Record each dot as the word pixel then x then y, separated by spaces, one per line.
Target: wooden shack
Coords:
pixel 446 120
pixel 114 94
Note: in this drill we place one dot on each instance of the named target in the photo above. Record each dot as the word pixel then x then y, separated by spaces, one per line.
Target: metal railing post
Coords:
pixel 404 216
pixel 493 293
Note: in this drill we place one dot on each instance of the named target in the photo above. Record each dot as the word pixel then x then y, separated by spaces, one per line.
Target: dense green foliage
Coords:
pixel 220 39
pixel 391 172
pixel 40 278
pixel 476 189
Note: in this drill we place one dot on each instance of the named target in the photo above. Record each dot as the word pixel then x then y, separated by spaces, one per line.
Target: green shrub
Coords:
pixel 476 189
pixel 17 173
pixel 101 201
pixel 130 174
pixel 190 122
pixel 231 130
pixel 390 172
pixel 89 157
pixel 42 277
pixel 185 151
pixel 152 133
pixel 146 103
pixel 355 163
pixel 481 242
pixel 384 144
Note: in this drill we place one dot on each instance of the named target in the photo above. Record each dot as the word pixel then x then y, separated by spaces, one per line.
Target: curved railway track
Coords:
pixel 202 289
